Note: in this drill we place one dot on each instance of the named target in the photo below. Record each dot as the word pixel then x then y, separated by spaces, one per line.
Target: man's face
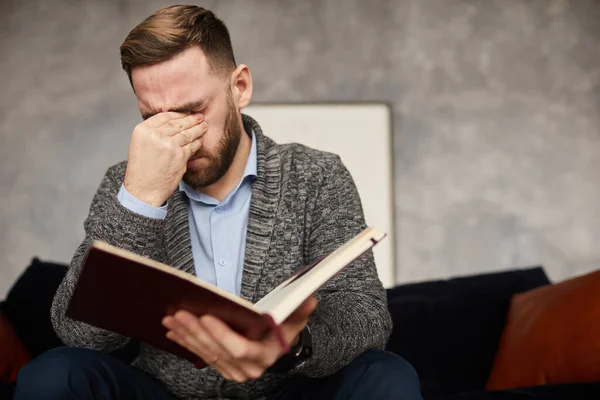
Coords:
pixel 185 84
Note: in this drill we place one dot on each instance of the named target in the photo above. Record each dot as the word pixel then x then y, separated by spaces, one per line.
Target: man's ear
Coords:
pixel 241 85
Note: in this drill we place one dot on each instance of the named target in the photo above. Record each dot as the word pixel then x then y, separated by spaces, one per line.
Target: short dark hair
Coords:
pixel 172 30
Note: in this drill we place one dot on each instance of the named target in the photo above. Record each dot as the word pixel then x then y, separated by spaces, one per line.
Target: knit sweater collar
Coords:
pixel 266 191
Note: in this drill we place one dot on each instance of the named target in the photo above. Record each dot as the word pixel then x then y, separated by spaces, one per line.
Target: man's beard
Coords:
pixel 219 161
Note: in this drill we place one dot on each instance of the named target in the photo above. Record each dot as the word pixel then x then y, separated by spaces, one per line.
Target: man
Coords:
pixel 205 191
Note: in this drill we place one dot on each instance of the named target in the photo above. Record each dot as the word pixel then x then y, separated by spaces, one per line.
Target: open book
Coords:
pixel 129 294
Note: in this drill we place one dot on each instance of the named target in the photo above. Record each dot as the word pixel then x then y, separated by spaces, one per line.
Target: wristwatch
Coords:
pixel 303 349
pixel 298 354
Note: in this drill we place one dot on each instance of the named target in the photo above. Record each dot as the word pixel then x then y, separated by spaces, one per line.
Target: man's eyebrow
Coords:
pixel 191 106
pixel 188 107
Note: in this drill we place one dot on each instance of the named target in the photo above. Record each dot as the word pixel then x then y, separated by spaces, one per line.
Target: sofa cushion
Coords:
pixel 13 353
pixel 552 335
pixel 573 391
pixel 449 330
pixel 28 308
pixel 28 304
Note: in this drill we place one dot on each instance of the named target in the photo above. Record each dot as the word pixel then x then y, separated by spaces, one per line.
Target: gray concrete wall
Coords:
pixel 496 117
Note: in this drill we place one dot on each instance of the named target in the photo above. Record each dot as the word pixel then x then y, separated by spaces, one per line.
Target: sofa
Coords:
pixel 449 330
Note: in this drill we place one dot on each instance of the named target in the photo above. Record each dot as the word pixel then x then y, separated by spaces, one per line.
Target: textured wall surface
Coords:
pixel 496 117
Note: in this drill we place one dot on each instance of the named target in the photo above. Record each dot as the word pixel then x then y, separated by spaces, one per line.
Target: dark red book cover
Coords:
pixel 125 296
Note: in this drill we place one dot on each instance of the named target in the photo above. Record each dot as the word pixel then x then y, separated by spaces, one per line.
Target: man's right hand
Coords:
pixel 158 153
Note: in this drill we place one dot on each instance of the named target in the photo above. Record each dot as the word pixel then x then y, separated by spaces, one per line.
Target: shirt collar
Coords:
pixel 250 169
pixel 250 172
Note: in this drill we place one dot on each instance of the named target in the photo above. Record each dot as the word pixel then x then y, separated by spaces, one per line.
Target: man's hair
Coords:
pixel 172 30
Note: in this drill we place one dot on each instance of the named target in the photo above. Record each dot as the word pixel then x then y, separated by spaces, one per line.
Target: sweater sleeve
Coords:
pixel 352 314
pixel 110 222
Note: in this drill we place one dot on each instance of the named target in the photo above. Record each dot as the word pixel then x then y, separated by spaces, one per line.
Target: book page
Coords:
pixel 284 299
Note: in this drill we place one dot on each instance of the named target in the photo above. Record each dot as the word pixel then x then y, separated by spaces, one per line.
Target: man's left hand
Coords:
pixel 233 355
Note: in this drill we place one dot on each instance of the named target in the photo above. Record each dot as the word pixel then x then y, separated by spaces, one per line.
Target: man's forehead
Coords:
pixel 188 61
pixel 182 83
pixel 177 79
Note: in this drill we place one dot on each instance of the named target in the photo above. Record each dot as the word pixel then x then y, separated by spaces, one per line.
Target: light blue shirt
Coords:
pixel 217 229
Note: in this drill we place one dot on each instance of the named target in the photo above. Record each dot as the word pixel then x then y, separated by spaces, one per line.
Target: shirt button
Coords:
pixel 222 261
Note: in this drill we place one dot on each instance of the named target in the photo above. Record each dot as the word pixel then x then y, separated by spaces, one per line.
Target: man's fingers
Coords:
pixel 192 148
pixel 238 368
pixel 236 345
pixel 233 355
pixel 194 336
pixel 188 135
pixel 304 311
pixel 310 305
pixel 180 333
pixel 188 326
pixel 297 321
pixel 249 361
pixel 176 126
pixel 162 118
pixel 272 351
pixel 215 362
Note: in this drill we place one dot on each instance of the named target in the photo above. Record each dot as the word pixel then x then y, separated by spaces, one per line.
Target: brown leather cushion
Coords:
pixel 552 335
pixel 13 353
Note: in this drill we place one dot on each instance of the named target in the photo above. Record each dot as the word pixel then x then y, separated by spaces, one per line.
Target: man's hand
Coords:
pixel 233 355
pixel 158 153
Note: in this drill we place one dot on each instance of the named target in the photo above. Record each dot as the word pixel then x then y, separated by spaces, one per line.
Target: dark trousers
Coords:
pixel 74 373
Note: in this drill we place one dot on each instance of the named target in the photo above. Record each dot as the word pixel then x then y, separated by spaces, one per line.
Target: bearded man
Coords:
pixel 205 191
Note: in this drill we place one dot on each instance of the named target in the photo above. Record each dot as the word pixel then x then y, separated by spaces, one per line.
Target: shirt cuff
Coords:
pixel 137 206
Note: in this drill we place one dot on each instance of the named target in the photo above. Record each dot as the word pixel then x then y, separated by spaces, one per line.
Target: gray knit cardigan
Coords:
pixel 304 204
